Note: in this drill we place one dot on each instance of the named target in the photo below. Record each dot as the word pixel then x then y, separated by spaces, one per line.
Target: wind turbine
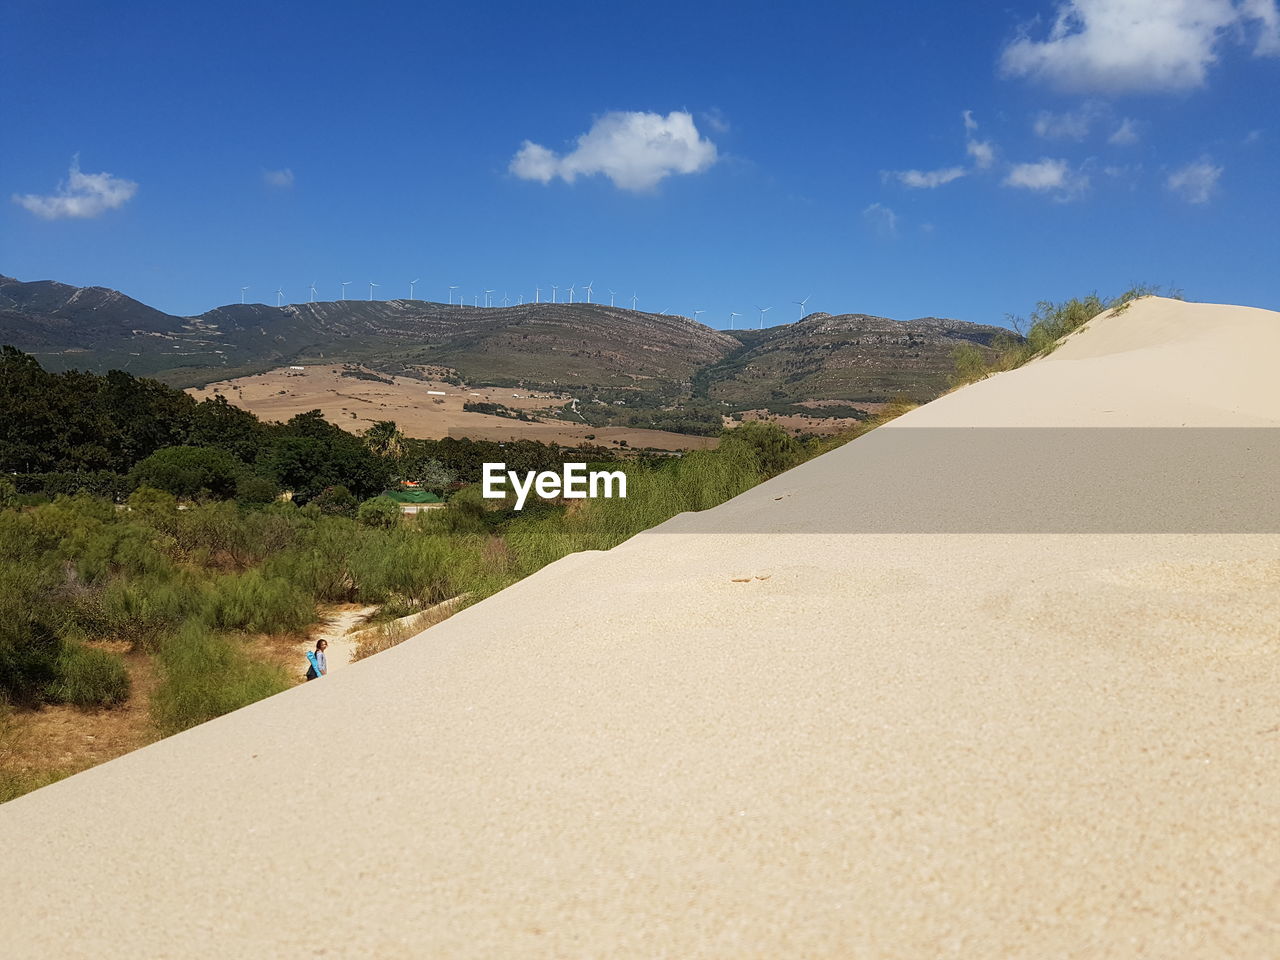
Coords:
pixel 571 294
pixel 506 301
pixel 589 291
pixel 451 289
pixel 487 301
pixel 344 288
pixel 695 315
pixel 802 303
pixel 475 299
pixel 279 296
pixel 732 314
pixel 371 286
pixel 611 296
pixel 521 303
pixel 763 311
pixel 411 286
pixel 242 290
pixel 537 294
pixel 313 291
pixel 633 301
pixel 554 290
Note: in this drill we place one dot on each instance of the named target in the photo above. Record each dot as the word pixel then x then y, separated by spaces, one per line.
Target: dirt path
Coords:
pixel 335 626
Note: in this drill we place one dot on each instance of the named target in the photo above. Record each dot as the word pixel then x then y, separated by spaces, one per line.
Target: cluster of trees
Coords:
pixel 696 418
pixel 64 433
pixel 498 410
pixel 61 432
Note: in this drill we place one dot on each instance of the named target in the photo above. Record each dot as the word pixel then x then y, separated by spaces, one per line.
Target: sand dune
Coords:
pixel 721 741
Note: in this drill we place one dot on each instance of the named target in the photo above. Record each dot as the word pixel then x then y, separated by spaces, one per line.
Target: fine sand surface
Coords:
pixel 356 404
pixel 717 741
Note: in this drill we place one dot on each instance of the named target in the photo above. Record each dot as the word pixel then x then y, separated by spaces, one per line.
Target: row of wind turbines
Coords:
pixel 587 289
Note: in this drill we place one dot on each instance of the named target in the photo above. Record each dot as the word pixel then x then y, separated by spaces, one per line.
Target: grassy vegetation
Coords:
pixel 1048 324
pixel 193 585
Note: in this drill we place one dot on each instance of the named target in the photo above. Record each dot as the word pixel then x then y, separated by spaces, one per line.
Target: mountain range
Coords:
pixel 580 347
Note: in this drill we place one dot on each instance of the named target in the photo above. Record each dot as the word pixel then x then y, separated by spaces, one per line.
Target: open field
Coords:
pixel 356 404
pixel 774 728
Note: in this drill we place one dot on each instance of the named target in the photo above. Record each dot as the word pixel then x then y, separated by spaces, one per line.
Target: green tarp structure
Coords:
pixel 414 496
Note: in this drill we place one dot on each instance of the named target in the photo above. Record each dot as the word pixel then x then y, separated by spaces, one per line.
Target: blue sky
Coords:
pixel 732 155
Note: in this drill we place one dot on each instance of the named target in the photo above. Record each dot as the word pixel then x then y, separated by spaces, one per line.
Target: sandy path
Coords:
pixel 336 626
pixel 727 739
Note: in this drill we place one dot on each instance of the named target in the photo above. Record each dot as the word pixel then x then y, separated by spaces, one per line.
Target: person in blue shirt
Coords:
pixel 319 665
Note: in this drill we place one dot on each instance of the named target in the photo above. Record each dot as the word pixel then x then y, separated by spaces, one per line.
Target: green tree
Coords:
pixel 379 512
pixel 335 501
pixel 190 472
pixel 385 439
pixel 774 449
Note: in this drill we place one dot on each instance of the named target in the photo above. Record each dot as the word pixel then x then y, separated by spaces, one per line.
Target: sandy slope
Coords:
pixel 718 741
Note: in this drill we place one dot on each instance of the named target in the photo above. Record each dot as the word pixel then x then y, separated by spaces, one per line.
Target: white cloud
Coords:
pixel 1070 125
pixel 882 218
pixel 983 152
pixel 84 195
pixel 1125 135
pixel 1265 12
pixel 1047 175
pixel 716 120
pixel 1196 182
pixel 635 150
pixel 278 178
pixel 928 179
pixel 1122 45
pixel 1253 136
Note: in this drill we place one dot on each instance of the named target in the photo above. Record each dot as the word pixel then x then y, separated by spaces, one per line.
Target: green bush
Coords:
pixel 205 674
pixel 255 490
pixel 190 472
pixel 90 678
pixel 29 642
pixel 775 450
pixel 379 512
pixel 335 501
pixel 256 603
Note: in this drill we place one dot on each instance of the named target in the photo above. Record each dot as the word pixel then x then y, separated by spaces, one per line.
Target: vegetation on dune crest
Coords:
pixel 1046 327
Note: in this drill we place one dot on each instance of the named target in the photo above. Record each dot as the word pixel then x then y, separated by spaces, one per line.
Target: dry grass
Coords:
pixel 39 747
pixel 387 635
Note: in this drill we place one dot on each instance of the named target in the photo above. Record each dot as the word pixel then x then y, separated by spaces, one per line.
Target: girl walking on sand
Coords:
pixel 319 665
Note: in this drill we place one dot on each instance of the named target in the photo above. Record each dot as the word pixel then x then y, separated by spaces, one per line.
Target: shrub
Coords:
pixel 90 678
pixel 259 604
pixel 774 449
pixel 379 512
pixel 256 490
pixel 190 472
pixel 29 644
pixel 335 501
pixel 970 363
pixel 206 674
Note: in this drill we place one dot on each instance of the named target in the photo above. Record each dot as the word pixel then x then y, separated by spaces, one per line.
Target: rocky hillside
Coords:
pixel 577 347
pixel 852 357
